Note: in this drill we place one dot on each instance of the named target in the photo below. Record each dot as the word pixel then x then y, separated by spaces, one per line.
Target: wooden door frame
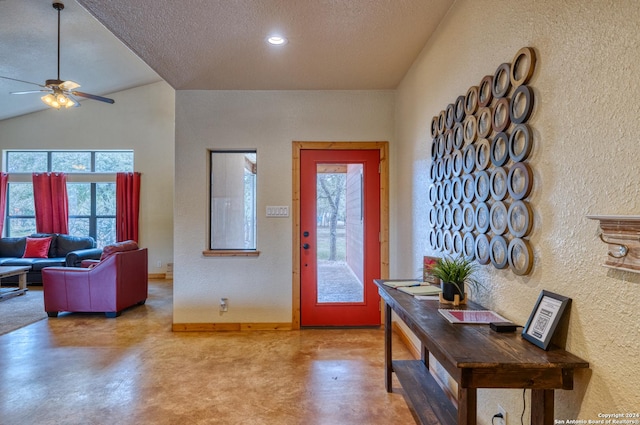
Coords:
pixel 383 148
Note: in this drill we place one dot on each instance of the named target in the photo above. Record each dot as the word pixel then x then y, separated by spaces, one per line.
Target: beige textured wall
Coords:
pixel 142 119
pixel 259 288
pixel 585 161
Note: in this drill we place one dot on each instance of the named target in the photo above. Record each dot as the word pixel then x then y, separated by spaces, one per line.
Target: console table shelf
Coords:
pixel 427 400
pixel 475 357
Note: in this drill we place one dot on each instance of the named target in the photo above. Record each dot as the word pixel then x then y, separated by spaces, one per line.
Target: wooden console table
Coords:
pixel 475 357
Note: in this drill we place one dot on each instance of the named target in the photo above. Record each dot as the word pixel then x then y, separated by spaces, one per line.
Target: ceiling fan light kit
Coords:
pixel 58 101
pixel 60 94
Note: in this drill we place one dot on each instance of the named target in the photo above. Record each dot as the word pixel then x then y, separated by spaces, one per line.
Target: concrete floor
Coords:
pixel 87 369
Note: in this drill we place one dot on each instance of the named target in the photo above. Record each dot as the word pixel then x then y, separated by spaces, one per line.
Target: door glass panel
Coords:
pixel 339 241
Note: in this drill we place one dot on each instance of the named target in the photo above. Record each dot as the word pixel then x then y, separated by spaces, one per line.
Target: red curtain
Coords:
pixel 4 177
pixel 51 202
pixel 127 206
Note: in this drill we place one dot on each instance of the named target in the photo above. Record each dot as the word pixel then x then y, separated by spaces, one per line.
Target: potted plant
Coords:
pixel 454 274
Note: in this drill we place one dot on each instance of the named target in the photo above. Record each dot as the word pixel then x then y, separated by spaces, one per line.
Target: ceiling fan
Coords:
pixel 60 94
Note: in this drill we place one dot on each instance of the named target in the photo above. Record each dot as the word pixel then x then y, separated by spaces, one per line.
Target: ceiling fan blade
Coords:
pixel 92 96
pixel 22 81
pixel 29 91
pixel 69 85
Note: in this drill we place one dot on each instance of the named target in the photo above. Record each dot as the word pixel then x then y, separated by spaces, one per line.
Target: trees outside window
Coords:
pixel 90 185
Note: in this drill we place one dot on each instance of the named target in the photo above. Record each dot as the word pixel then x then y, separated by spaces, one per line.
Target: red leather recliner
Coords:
pixel 118 281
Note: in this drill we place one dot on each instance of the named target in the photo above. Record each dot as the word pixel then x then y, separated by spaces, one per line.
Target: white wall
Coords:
pixel 141 119
pixel 585 161
pixel 258 289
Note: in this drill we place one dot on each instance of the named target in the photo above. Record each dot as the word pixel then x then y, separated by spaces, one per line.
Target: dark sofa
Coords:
pixel 65 250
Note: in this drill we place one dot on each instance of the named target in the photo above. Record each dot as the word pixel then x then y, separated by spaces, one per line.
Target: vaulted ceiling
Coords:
pixel 108 46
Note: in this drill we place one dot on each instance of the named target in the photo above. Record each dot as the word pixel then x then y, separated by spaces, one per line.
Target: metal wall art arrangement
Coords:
pixel 480 176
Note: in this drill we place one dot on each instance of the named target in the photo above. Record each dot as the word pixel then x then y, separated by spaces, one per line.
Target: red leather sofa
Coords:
pixel 118 281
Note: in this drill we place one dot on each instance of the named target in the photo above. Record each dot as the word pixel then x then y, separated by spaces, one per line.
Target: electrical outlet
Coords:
pixel 504 414
pixel 224 306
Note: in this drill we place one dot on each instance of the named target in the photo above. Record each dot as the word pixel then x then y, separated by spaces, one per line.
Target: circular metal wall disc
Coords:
pixel 484 124
pixel 500 149
pixel 434 127
pixel 520 143
pixel 520 256
pixel 469 159
pixel 498 218
pixel 522 66
pixel 519 219
pixel 483 190
pixel 468 246
pixel 501 118
pixel 449 115
pixel 470 129
pixel 520 180
pixel 471 101
pixel 482 218
pixel 459 112
pixel 499 252
pixel 521 105
pixel 483 253
pixel 498 184
pixel 501 81
pixel 485 93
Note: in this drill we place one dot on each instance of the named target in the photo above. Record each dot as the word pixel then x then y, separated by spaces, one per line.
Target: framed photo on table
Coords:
pixel 427 265
pixel 544 318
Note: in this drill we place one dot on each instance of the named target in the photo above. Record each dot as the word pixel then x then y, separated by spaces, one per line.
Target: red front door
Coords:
pixel 340 237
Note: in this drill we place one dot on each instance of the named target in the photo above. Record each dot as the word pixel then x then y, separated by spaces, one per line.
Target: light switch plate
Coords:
pixel 277 211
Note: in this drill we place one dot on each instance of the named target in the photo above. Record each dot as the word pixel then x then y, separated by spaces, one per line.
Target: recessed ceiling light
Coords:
pixel 277 40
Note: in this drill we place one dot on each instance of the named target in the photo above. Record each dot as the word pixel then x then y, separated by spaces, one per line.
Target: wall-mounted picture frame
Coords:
pixel 544 318
pixel 427 265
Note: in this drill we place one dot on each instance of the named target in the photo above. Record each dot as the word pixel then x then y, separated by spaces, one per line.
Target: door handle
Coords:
pixel 305 246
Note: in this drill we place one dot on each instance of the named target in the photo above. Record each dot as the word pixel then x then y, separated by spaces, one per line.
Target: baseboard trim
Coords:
pixel 226 327
pixel 415 351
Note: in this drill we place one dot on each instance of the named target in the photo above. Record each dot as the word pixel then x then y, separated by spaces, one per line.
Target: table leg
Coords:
pixel 22 281
pixel 467 406
pixel 542 407
pixel 388 368
pixel 424 356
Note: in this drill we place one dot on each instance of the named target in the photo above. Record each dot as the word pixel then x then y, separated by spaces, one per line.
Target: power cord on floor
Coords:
pixel 524 406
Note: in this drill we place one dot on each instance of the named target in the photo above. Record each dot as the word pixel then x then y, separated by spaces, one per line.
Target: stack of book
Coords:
pixel 414 287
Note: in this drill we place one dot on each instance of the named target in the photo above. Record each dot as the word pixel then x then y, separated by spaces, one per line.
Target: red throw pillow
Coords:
pixel 37 248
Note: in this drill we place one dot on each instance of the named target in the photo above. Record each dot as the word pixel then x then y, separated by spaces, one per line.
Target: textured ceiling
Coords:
pixel 215 44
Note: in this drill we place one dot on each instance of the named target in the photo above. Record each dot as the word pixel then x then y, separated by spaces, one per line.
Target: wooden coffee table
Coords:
pixel 8 271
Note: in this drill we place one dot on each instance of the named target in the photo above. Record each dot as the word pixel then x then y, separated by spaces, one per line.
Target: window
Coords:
pixel 233 200
pixel 90 186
